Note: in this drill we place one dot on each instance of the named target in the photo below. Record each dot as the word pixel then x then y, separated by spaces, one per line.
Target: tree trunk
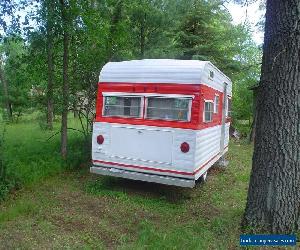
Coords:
pixel 65 89
pixel 75 109
pixel 50 11
pixel 254 111
pixel 252 129
pixel 116 18
pixel 274 192
pixel 7 103
pixel 142 37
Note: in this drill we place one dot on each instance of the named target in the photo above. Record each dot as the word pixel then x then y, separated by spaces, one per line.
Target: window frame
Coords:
pixel 190 99
pixel 228 113
pixel 216 107
pixel 204 111
pixel 124 95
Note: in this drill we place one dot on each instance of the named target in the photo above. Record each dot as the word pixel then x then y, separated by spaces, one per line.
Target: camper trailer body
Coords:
pixel 158 120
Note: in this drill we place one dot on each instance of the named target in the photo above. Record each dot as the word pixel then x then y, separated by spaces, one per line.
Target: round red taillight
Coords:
pixel 100 139
pixel 185 147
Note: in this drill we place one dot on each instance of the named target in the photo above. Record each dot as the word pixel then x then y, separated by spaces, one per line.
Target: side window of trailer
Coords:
pixel 208 111
pixel 165 108
pixel 122 106
pixel 216 104
pixel 229 104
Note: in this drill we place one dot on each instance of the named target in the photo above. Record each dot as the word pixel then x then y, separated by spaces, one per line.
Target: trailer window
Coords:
pixel 176 109
pixel 216 104
pixel 123 106
pixel 208 111
pixel 229 107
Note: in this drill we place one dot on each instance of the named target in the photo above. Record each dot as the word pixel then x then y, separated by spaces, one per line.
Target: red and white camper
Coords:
pixel 159 120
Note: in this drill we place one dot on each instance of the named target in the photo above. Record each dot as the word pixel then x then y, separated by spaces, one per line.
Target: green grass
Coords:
pixel 29 156
pixel 18 209
pixel 61 206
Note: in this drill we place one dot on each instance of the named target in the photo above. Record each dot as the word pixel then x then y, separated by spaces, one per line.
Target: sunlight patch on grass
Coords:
pixel 21 208
pixel 29 156
pixel 109 187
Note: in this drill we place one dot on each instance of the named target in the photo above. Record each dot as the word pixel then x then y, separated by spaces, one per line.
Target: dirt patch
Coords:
pixel 65 224
pixel 214 170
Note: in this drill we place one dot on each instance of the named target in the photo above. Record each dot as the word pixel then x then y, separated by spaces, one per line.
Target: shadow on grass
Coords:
pixel 134 190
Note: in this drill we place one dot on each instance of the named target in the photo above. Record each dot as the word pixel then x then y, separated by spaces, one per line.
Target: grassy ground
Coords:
pixel 59 208
pixel 30 156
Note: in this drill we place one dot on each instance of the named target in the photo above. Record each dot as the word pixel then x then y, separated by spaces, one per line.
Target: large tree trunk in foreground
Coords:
pixel 65 89
pixel 7 103
pixel 274 192
pixel 50 12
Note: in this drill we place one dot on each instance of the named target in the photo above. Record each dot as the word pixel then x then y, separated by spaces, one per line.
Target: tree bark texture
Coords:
pixel 7 103
pixel 50 110
pixel 253 125
pixel 65 88
pixel 274 192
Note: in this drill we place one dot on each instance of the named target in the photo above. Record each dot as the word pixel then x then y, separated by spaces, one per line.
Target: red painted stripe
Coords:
pixel 143 167
pixel 149 87
pixel 156 169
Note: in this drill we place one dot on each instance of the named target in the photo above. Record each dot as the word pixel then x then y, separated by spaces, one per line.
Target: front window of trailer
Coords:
pixel 169 108
pixel 122 106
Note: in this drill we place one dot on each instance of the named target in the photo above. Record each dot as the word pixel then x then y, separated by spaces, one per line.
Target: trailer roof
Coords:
pixel 157 71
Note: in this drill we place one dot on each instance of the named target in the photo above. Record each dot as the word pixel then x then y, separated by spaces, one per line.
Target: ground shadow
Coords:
pixel 148 190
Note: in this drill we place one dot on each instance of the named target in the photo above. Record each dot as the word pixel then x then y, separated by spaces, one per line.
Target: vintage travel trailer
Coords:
pixel 160 120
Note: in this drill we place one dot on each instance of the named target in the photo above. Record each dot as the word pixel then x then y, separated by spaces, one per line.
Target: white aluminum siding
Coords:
pixel 165 71
pixel 178 161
